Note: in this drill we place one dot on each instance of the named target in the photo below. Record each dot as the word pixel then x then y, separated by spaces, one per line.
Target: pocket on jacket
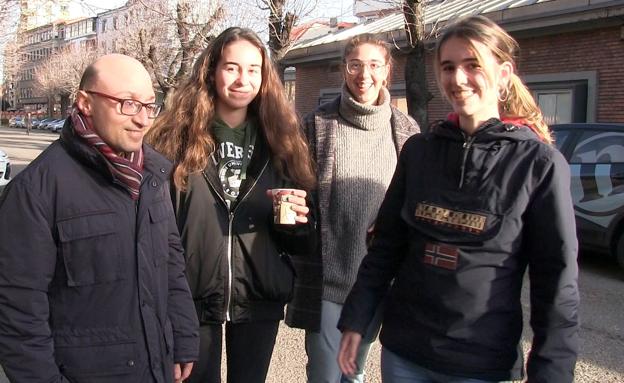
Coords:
pixel 96 352
pixel 159 217
pixel 168 335
pixel 271 274
pixel 451 217
pixel 90 249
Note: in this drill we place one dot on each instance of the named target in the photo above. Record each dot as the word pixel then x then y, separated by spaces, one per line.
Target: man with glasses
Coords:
pixel 92 285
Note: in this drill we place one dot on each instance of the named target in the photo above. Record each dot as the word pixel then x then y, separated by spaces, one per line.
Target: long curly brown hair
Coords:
pixel 183 132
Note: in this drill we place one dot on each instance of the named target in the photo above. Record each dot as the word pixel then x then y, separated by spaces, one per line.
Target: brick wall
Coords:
pixel 599 50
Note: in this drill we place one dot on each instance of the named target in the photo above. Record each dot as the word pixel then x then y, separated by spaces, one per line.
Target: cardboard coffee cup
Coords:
pixel 283 214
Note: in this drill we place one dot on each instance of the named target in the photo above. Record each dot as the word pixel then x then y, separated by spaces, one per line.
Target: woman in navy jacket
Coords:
pixel 473 203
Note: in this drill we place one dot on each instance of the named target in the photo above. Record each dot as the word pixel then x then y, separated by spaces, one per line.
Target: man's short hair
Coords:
pixel 88 77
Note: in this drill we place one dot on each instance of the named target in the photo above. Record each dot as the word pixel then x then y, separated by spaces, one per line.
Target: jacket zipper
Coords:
pixel 229 260
pixel 467 145
pixel 230 237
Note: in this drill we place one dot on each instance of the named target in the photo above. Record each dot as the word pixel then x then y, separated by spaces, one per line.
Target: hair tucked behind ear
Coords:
pixel 183 132
pixel 518 103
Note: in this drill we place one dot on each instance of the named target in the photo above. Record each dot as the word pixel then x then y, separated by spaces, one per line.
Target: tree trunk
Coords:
pixel 65 103
pixel 416 90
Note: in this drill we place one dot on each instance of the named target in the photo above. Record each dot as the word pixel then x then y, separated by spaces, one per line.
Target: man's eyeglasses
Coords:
pixel 130 107
pixel 357 66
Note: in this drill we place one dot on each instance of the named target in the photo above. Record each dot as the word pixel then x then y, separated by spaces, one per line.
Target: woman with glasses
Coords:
pixel 234 137
pixel 355 140
pixel 475 202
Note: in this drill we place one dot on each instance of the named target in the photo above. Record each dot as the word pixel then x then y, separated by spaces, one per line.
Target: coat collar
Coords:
pixel 155 164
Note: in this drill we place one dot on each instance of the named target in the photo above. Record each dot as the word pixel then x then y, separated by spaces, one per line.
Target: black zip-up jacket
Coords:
pixel 92 285
pixel 238 261
pixel 462 220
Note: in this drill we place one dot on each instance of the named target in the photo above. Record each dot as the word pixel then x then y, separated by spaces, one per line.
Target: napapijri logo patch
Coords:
pixel 460 220
pixel 439 255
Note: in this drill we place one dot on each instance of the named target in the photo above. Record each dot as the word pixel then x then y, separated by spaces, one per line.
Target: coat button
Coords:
pixel 131 363
pixel 154 183
pixel 162 170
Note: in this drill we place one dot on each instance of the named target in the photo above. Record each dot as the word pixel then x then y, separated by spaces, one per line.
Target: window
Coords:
pixel 556 106
pixel 104 26
pixel 565 97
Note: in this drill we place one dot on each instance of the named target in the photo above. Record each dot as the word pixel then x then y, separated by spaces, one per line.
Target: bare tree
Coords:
pixel 283 16
pixel 10 58
pixel 168 37
pixel 60 74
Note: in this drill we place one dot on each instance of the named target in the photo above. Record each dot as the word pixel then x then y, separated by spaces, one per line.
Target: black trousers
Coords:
pixel 248 347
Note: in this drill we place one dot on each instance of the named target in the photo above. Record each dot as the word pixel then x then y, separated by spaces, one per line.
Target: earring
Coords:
pixel 503 94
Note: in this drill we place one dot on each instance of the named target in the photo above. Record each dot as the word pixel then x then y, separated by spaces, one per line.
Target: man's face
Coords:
pixel 122 78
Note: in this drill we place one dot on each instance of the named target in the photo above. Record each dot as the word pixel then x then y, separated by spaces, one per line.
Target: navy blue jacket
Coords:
pixel 92 285
pixel 462 220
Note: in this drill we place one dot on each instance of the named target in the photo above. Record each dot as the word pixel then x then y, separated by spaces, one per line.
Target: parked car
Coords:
pixel 43 124
pixel 595 153
pixel 17 122
pixel 5 170
pixel 56 125
pixel 36 122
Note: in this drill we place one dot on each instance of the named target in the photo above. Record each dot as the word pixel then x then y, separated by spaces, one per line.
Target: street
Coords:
pixel 601 283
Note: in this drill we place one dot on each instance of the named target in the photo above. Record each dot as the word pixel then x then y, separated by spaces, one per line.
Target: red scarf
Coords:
pixel 454 118
pixel 127 172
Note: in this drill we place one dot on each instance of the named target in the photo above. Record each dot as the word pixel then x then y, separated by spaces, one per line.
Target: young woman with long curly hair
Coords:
pixel 234 138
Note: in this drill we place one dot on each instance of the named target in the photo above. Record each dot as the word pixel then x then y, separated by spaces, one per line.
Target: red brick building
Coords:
pixel 571 55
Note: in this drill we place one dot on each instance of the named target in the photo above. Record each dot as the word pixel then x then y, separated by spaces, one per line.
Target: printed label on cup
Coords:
pixel 285 215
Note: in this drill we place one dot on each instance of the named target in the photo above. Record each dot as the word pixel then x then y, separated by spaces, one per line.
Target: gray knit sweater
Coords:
pixel 365 161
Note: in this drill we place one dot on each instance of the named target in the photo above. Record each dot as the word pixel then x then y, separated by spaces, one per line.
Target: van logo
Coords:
pixel 460 220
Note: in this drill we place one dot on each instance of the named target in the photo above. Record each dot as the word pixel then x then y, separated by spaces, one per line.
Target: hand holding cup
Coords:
pixel 289 206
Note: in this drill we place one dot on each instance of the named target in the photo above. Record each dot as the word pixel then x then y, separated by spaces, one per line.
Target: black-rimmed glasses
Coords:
pixel 130 107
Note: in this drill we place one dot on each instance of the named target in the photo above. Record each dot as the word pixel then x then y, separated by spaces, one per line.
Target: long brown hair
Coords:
pixel 515 101
pixel 183 132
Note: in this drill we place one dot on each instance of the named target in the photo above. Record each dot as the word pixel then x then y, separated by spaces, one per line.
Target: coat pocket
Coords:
pixel 90 248
pixel 96 353
pixel 452 217
pixel 270 274
pixel 159 217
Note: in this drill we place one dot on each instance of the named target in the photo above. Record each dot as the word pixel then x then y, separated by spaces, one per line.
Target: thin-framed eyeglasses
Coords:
pixel 130 107
pixel 357 66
